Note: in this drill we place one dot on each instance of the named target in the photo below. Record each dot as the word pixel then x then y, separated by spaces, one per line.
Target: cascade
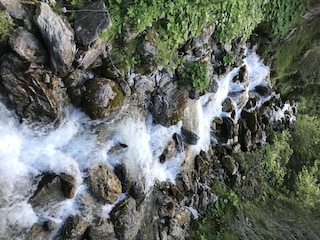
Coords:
pixel 27 151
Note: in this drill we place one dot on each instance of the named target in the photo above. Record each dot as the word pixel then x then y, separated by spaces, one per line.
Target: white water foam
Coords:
pixel 26 153
pixel 210 105
pixel 74 146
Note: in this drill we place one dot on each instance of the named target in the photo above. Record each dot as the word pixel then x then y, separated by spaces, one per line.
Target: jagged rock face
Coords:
pixel 35 95
pixel 90 22
pixel 28 46
pixel 104 184
pixel 101 98
pixel 59 38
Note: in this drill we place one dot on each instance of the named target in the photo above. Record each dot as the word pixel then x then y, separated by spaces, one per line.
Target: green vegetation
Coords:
pixel 296 65
pixel 263 204
pixel 216 222
pixel 280 15
pixel 229 59
pixel 195 76
pixel 6 25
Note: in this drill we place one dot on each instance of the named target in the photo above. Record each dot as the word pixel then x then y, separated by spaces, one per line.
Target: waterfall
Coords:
pixel 209 105
pixel 26 151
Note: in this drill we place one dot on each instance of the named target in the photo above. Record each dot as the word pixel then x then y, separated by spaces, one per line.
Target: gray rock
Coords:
pixel 101 228
pixel 213 87
pixel 74 227
pixel 227 47
pixel 168 104
pixel 58 36
pixel 229 163
pixel 27 46
pixel 68 185
pixel 14 8
pixel 38 232
pixel 137 192
pixel 227 105
pixel 203 162
pixel 92 54
pixel 311 11
pixel 124 176
pixel 245 136
pixel 143 84
pixel 48 193
pixel 91 21
pixel 189 136
pixel 251 119
pixel 29 95
pixel 169 151
pixel 101 98
pixel 126 219
pixel 104 184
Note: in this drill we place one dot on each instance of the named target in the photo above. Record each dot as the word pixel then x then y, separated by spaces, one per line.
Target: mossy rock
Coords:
pixel 101 98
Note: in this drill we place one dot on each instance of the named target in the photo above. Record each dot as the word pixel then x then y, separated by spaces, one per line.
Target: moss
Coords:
pixel 6 25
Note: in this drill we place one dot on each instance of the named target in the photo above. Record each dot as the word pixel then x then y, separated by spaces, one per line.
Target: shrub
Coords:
pixel 195 76
pixel 266 168
pixel 306 189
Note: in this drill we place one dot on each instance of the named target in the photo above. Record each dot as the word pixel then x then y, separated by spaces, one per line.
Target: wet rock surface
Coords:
pixel 104 184
pixel 40 81
pixel 127 219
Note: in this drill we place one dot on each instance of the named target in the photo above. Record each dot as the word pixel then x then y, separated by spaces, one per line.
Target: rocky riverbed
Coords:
pixel 157 148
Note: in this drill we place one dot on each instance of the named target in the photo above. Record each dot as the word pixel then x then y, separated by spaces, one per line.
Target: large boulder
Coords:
pixel 101 98
pixel 104 184
pixel 91 21
pixel 124 176
pixel 59 38
pixel 50 191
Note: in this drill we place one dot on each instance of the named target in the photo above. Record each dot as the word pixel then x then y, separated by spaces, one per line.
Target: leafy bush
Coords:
pixel 306 189
pixel 265 169
pixel 195 76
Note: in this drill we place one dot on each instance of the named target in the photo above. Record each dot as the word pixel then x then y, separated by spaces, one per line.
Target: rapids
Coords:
pixel 27 151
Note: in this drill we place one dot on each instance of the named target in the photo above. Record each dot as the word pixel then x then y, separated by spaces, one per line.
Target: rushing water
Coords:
pixel 28 151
